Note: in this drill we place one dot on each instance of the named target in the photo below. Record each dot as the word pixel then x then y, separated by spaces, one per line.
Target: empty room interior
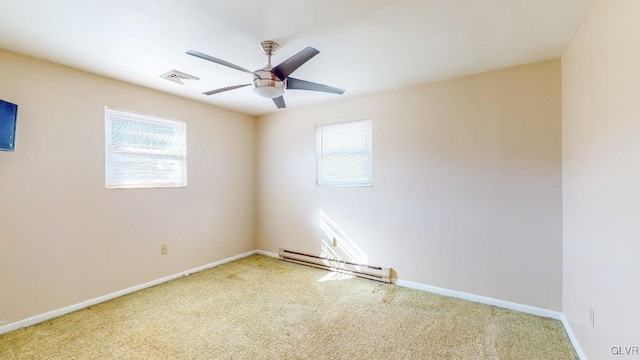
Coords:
pixel 460 178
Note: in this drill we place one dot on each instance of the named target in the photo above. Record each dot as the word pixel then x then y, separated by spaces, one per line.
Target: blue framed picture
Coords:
pixel 8 117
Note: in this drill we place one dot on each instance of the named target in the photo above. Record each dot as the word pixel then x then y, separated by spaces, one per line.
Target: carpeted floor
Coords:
pixel 263 308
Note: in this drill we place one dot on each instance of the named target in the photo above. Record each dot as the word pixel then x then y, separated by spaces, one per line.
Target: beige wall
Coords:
pixel 467 184
pixel 63 237
pixel 601 175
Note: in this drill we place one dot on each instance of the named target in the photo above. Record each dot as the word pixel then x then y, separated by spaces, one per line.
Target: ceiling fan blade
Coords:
pixel 297 84
pixel 290 65
pixel 211 92
pixel 217 61
pixel 279 101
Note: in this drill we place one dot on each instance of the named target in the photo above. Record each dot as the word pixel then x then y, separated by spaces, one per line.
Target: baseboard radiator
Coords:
pixel 377 273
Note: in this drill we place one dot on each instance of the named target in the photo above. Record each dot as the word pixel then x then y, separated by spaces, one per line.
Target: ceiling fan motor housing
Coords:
pixel 267 84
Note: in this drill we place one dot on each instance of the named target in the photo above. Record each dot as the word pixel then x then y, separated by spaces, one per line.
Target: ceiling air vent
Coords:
pixel 179 77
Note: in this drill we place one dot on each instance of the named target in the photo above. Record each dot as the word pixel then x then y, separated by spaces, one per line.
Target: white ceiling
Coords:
pixel 365 45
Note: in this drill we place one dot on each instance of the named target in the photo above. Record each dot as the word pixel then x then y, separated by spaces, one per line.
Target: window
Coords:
pixel 144 151
pixel 343 154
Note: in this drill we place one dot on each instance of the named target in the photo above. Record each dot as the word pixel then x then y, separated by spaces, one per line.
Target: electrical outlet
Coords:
pixel 592 317
pixel 164 249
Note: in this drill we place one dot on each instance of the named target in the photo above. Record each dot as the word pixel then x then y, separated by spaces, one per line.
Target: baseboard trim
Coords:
pixel 65 310
pixel 572 337
pixel 482 299
pixel 267 253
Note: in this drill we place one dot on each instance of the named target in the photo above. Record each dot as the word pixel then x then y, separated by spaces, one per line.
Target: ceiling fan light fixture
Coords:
pixel 268 91
pixel 267 85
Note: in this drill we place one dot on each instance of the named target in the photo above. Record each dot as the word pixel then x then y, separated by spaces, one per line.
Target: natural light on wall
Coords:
pixel 343 154
pixel 144 151
pixel 348 247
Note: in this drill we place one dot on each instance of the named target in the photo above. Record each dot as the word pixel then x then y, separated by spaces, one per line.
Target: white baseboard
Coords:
pixel 482 299
pixel 65 310
pixel 267 253
pixel 572 337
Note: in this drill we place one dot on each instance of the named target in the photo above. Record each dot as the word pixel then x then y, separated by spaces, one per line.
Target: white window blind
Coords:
pixel 144 151
pixel 343 154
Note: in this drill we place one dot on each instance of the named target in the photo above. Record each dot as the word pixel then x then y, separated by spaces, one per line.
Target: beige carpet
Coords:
pixel 263 308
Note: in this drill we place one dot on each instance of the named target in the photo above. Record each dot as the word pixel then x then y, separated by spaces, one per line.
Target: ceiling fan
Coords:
pixel 271 82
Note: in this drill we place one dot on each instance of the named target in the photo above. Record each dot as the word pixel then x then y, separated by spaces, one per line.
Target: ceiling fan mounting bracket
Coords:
pixel 269 47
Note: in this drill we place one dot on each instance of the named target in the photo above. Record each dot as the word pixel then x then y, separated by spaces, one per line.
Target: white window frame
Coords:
pixel 321 178
pixel 152 160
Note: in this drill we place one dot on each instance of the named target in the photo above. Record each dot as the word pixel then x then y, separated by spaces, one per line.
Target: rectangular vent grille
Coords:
pixel 179 77
pixel 377 273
